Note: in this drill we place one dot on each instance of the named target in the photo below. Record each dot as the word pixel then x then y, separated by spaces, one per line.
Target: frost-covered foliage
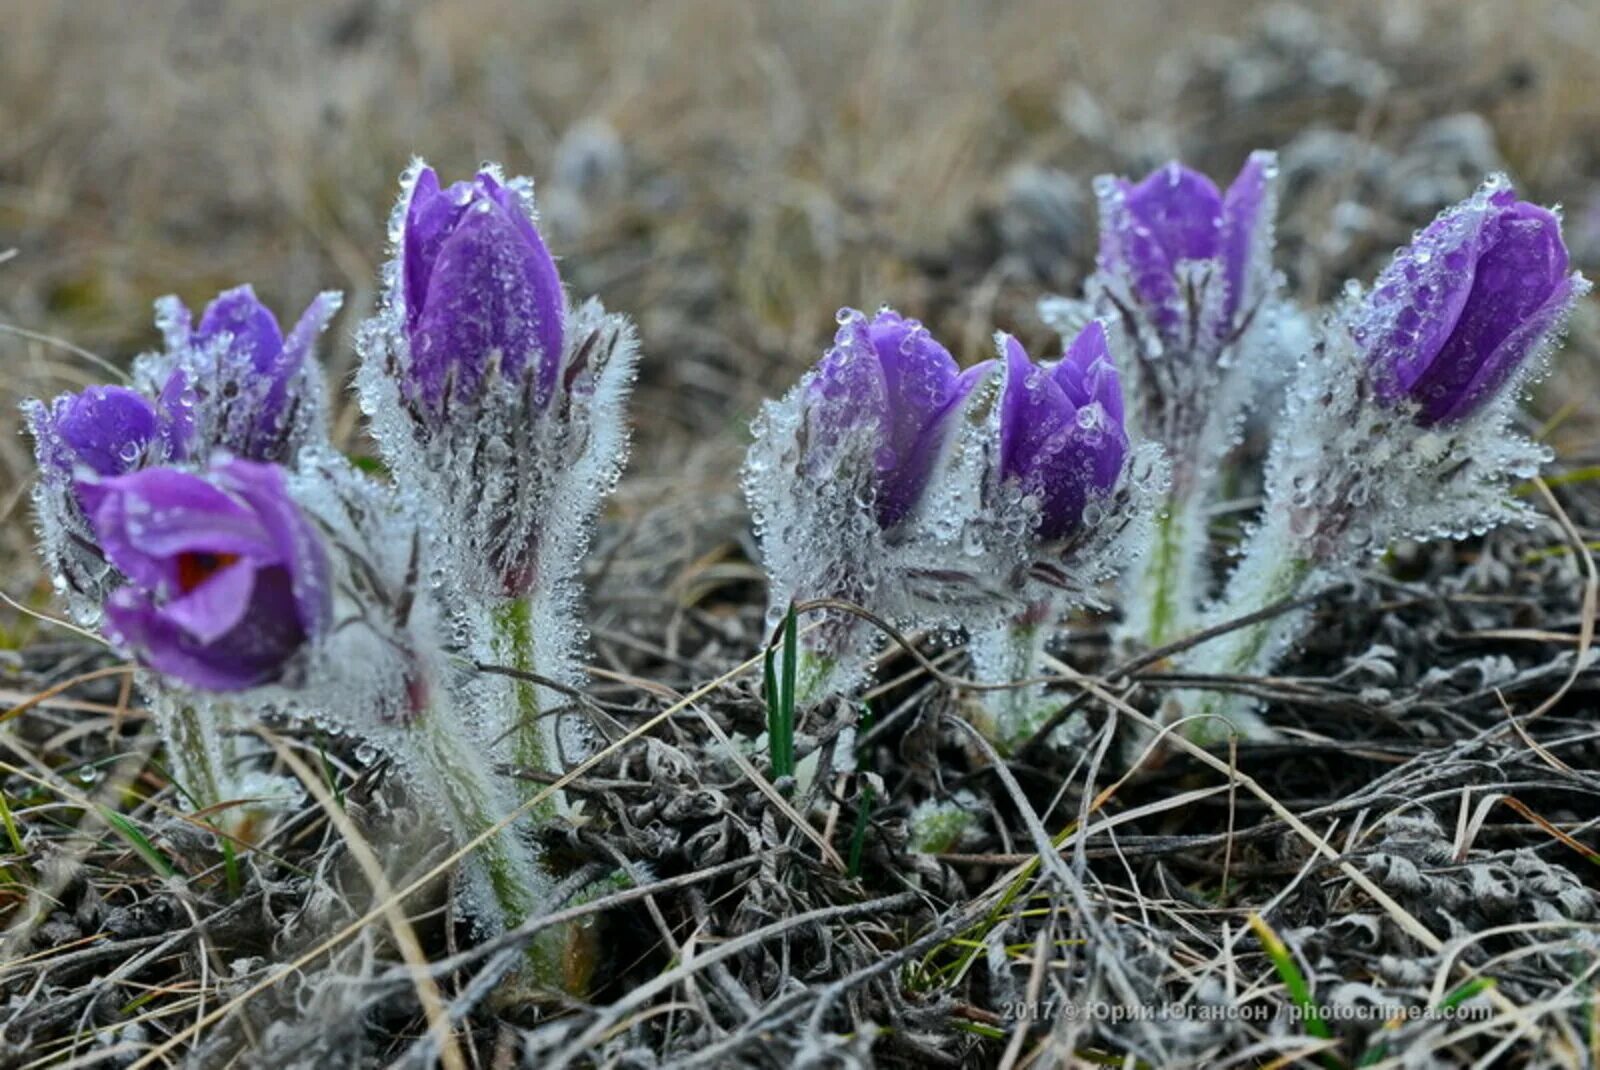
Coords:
pixel 201 519
pixel 1185 278
pixel 1399 423
pixel 937 498
pixel 936 826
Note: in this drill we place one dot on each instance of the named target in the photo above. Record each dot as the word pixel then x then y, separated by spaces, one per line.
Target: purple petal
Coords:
pixel 430 214
pixel 1181 209
pixel 251 653
pixel 1246 212
pixel 313 321
pixel 919 378
pixel 296 543
pixel 217 605
pixel 1034 412
pixel 176 417
pixel 250 326
pixel 1087 374
pixel 546 291
pixel 145 519
pixel 103 428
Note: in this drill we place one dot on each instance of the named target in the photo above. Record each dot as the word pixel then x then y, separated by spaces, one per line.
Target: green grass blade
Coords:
pixel 791 662
pixel 778 690
pixel 146 850
pixel 11 826
pixel 1295 981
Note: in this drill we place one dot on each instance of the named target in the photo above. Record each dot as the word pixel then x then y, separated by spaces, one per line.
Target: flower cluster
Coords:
pixel 202 520
pixel 990 500
pixel 985 499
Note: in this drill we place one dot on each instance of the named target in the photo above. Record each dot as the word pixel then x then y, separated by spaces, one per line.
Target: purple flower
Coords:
pixel 236 382
pixel 887 378
pixel 1176 216
pixel 106 429
pixel 227 580
pixel 1458 311
pixel 1061 431
pixel 480 290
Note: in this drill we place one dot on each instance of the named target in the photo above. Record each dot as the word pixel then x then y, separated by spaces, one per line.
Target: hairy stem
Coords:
pixel 514 645
pixel 1009 653
pixel 1274 567
pixel 1164 590
pixel 194 749
pixel 512 872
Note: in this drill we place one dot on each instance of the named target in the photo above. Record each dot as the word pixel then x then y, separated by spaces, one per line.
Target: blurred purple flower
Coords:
pixel 1176 215
pixel 1061 430
pixel 890 377
pixel 480 289
pixel 226 578
pixel 236 382
pixel 1458 311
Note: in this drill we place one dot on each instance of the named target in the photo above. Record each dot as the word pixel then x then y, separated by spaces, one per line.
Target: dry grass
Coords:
pixel 1430 823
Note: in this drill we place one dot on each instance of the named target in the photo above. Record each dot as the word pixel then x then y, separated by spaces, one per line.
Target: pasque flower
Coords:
pixel 1458 311
pixel 1065 508
pixel 235 381
pixel 1398 424
pixel 1185 280
pixel 1173 233
pixel 1061 433
pixel 501 413
pixel 889 386
pixel 487 390
pixel 839 475
pixel 226 578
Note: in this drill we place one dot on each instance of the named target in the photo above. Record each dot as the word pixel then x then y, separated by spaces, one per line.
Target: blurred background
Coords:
pixel 730 173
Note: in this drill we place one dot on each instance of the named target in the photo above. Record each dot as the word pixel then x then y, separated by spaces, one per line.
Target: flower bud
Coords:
pixel 1061 433
pixel 886 388
pixel 482 294
pixel 236 382
pixel 102 431
pixel 1179 247
pixel 1460 310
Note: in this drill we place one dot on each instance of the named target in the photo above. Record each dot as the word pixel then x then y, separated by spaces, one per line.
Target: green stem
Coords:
pixel 1165 591
pixel 514 876
pixel 1269 572
pixel 194 750
pixel 1006 654
pixel 514 639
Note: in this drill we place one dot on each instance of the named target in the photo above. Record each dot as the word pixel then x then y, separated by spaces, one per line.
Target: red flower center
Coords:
pixel 197 566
